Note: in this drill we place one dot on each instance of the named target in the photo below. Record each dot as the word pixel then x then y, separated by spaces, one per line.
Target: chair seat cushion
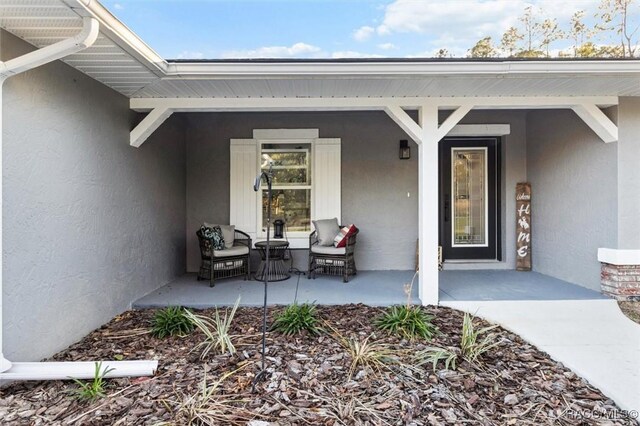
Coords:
pixel 331 250
pixel 233 251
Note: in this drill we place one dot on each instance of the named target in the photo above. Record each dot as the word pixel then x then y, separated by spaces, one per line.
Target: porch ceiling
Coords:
pixel 122 61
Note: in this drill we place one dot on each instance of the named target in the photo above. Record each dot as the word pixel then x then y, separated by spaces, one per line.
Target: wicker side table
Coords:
pixel 277 268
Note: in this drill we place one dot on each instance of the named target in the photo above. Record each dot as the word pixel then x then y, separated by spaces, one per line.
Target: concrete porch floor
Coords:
pixel 509 285
pixel 374 288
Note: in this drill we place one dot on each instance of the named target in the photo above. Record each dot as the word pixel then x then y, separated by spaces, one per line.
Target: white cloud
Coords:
pixel 350 54
pixel 458 25
pixel 295 50
pixel 363 33
pixel 387 46
pixel 188 54
pixel 118 6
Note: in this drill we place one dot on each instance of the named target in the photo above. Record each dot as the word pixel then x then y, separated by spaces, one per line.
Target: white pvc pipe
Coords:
pixel 77 370
pixel 80 41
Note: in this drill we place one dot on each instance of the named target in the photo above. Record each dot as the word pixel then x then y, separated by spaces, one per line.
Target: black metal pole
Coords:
pixel 266 271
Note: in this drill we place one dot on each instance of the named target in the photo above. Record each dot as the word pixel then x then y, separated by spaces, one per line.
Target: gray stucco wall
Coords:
pixel 90 224
pixel 628 174
pixel 375 182
pixel 574 203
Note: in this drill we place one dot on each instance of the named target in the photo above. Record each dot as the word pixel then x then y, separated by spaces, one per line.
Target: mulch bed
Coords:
pixel 307 380
pixel 631 310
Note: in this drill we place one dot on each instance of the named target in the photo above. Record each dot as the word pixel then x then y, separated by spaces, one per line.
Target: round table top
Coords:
pixel 272 243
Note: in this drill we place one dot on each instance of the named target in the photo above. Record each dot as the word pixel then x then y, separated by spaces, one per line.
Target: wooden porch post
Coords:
pixel 428 204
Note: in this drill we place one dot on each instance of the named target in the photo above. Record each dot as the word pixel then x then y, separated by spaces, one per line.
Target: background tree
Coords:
pixel 483 49
pixel 531 30
pixel 578 31
pixel 443 53
pixel 550 32
pixel 510 40
pixel 616 16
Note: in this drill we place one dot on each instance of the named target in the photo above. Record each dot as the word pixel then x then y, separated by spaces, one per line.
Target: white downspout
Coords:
pixel 55 370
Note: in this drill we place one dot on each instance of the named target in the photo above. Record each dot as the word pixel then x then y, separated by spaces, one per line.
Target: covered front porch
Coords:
pixel 373 288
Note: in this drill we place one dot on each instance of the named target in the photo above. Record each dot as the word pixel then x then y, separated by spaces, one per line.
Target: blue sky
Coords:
pixel 327 29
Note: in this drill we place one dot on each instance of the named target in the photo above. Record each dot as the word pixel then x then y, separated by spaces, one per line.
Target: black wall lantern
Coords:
pixel 405 151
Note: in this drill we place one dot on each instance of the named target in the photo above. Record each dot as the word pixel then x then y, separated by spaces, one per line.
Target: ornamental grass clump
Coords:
pixel 472 347
pixel 90 391
pixel 407 321
pixel 171 321
pixel 297 318
pixel 216 331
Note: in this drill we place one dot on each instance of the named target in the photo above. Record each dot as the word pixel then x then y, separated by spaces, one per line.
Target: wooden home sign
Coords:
pixel 523 226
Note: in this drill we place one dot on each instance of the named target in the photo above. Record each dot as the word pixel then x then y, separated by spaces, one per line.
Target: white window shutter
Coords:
pixel 326 179
pixel 244 168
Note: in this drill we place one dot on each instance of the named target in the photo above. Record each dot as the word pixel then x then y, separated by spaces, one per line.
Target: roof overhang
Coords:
pixel 123 61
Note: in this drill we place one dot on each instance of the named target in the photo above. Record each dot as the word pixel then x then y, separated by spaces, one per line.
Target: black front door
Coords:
pixel 469 198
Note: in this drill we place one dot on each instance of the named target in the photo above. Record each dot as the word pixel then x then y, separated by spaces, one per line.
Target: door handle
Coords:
pixel 446 208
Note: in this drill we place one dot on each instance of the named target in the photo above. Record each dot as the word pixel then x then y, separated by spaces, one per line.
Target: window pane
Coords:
pixel 469 204
pixel 291 205
pixel 290 163
pixel 290 176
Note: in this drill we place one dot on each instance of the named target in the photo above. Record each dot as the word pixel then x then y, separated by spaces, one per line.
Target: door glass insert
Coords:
pixel 469 197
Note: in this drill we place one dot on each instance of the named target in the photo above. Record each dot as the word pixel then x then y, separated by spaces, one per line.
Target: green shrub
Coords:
pixel 409 322
pixel 90 391
pixel 296 318
pixel 171 321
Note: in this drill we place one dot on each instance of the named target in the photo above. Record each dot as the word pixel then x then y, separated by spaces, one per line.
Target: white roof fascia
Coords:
pixel 120 34
pixel 400 68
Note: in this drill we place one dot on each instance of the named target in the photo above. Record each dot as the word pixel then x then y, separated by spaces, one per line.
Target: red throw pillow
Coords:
pixel 343 235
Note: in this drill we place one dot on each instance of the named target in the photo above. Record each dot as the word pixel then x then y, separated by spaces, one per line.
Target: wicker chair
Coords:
pixel 227 263
pixel 331 260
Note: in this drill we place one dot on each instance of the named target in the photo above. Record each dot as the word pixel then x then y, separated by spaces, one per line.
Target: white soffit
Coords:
pixel 44 22
pixel 122 61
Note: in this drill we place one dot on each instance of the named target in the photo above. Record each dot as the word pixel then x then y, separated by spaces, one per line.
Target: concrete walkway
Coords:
pixel 591 337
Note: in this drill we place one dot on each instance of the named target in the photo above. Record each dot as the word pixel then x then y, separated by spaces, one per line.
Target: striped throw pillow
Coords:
pixel 341 239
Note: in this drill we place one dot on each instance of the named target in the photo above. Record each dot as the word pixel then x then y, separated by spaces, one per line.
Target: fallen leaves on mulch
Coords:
pixel 306 381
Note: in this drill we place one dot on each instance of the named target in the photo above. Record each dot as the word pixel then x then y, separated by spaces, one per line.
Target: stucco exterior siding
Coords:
pixel 375 183
pixel 629 174
pixel 90 223
pixel 573 175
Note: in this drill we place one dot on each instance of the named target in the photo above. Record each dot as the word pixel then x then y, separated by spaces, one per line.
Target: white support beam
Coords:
pixel 452 120
pixel 149 125
pixel 598 121
pixel 428 205
pixel 318 104
pixel 407 123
